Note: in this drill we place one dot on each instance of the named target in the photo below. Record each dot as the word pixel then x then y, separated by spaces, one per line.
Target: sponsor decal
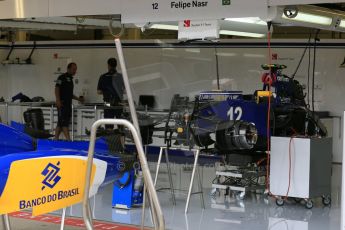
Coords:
pixel 24 204
pixel 53 183
pixel 186 23
pixel 51 172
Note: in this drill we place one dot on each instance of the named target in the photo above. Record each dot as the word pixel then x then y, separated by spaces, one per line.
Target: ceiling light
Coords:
pixel 35 25
pixel 311 18
pixel 74 21
pixel 164 27
pixel 250 20
pixel 224 32
pixel 342 23
pixel 241 34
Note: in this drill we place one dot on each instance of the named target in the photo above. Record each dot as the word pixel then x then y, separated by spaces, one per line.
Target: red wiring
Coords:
pixel 269 128
pixel 288 190
pixel 268 115
pixel 269 82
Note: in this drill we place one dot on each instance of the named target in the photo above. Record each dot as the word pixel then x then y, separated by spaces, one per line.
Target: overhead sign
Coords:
pixel 191 29
pixel 48 184
pixel 141 11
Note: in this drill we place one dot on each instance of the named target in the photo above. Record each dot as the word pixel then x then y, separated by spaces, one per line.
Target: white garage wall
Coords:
pixel 167 71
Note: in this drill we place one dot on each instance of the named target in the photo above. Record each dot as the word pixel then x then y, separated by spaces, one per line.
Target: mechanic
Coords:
pixel 64 95
pixel 111 86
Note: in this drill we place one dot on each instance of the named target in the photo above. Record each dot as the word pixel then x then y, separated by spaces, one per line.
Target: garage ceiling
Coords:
pixel 97 27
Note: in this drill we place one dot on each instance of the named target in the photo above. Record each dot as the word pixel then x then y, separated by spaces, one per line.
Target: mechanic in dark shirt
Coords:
pixel 64 95
pixel 111 86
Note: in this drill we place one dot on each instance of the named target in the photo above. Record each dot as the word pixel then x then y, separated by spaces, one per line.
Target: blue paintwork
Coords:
pixel 15 145
pixel 126 196
pixel 13 141
pixel 100 146
pixel 251 112
pixel 18 126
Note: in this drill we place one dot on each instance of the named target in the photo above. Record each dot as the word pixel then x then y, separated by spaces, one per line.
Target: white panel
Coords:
pixel 23 8
pixel 189 29
pixel 300 167
pixel 134 11
pixel 83 7
pixel 299 2
pixel 186 71
pixel 144 71
pixel 245 79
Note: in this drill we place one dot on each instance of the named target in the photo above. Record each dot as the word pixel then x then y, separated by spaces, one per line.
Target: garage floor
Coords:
pixel 254 212
pixel 22 224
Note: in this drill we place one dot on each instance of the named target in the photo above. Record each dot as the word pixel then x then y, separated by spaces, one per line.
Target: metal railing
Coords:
pixel 156 210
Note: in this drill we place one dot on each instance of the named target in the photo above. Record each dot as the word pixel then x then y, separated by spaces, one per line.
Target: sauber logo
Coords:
pixel 51 175
pixel 186 23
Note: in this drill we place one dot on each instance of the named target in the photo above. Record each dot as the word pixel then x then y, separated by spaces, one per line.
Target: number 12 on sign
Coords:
pixel 155 6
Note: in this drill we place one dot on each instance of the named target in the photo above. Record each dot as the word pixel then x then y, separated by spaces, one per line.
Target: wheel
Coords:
pixel 240 195
pixel 326 200
pixel 280 202
pixel 309 204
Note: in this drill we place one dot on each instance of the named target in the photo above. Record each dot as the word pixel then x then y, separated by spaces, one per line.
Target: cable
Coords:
pixel 302 57
pixel 268 120
pixel 269 106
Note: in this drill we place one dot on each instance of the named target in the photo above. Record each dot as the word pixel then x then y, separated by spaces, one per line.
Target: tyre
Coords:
pixel 309 204
pixel 280 202
pixel 326 200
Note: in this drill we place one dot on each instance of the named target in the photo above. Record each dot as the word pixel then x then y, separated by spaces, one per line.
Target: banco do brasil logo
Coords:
pixel 51 175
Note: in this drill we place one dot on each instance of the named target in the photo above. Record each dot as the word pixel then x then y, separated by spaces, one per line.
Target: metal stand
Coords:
pixel 195 168
pixel 63 216
pixel 239 180
pixel 169 172
pixel 158 217
pixel 6 222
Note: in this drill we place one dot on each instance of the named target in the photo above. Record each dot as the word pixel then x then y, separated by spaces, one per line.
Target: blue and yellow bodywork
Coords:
pixel 47 175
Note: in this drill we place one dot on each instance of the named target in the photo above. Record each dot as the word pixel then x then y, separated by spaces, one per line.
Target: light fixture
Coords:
pixel 241 34
pixel 310 18
pixel 35 25
pixel 164 27
pixel 75 21
pixel 342 23
pixel 225 31
pixel 250 20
